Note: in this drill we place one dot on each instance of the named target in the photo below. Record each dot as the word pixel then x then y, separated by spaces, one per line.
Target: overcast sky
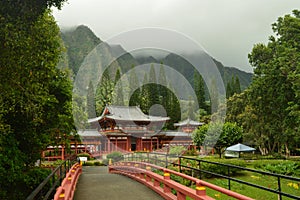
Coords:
pixel 226 29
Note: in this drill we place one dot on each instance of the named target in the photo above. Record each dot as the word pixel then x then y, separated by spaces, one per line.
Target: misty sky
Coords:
pixel 226 29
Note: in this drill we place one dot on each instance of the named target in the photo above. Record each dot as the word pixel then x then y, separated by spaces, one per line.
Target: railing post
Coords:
pixel 200 171
pixel 179 164
pixel 167 189
pixel 200 189
pixel 279 188
pixel 62 195
pixel 228 171
pixel 166 160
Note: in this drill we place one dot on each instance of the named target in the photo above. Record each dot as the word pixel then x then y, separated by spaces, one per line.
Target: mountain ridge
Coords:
pixel 80 41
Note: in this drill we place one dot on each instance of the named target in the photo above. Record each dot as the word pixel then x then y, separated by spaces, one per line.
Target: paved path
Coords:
pixel 95 183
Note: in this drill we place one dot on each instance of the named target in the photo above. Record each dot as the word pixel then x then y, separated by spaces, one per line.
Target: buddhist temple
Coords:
pixel 126 129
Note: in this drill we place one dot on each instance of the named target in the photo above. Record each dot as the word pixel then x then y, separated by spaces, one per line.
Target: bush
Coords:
pixel 177 150
pixel 88 164
pixel 191 152
pixel 32 179
pixel 115 156
pixel 84 155
pixel 216 168
pixel 284 167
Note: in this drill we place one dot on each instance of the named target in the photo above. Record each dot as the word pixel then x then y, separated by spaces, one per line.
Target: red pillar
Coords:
pixel 108 145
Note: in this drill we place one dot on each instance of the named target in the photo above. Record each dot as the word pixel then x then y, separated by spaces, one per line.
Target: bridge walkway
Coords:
pixel 95 183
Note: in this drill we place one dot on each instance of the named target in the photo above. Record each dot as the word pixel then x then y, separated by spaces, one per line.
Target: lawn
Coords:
pixel 290 187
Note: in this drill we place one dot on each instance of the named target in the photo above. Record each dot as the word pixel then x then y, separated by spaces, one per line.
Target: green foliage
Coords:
pixel 177 150
pixel 118 98
pixel 215 168
pixel 115 156
pixel 27 11
pixel 88 156
pixel 199 87
pixel 91 107
pixel 218 135
pixel 35 96
pixel 269 112
pixel 233 87
pixel 79 42
pixel 191 152
pixel 104 92
pixel 284 167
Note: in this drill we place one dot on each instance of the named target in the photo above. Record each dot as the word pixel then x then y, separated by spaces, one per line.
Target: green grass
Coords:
pixel 290 187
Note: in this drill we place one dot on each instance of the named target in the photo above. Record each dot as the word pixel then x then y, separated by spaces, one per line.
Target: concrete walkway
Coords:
pixel 95 183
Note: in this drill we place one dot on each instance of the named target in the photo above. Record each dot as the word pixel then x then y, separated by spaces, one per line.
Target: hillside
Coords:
pixel 80 41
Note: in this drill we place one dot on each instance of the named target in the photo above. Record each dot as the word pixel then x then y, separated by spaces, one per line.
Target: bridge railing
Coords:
pixel 199 171
pixel 47 188
pixel 67 189
pixel 163 181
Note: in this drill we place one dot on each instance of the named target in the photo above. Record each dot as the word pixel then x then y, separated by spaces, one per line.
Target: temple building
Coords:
pixel 128 128
pixel 188 125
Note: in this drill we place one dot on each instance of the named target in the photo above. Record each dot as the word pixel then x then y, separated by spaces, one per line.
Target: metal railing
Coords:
pixel 46 189
pixel 166 160
pixel 230 178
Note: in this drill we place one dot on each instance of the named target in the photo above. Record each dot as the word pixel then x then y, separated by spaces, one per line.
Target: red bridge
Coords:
pixel 97 183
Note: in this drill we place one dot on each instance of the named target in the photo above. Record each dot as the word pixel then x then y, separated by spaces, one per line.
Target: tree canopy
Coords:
pixel 270 114
pixel 217 134
pixel 35 100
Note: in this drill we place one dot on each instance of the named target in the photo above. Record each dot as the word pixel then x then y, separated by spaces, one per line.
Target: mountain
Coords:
pixel 79 42
pixel 84 48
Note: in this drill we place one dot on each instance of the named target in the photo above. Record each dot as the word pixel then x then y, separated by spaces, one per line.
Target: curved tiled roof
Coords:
pixel 188 122
pixel 127 113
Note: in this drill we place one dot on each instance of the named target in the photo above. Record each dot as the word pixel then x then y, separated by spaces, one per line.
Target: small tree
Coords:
pixel 226 135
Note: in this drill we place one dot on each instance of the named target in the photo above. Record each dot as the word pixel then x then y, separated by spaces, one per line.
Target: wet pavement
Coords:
pixel 95 183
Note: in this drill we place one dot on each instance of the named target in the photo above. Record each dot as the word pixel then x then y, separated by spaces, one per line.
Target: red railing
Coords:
pixel 143 173
pixel 68 185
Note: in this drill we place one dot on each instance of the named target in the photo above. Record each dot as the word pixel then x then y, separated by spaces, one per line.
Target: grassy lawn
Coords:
pixel 290 187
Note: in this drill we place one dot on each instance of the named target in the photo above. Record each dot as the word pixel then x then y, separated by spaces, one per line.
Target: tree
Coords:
pixel 199 87
pixel 119 98
pixel 273 95
pixel 134 91
pixel 91 107
pixel 217 134
pixel 233 87
pixel 214 96
pixel 104 92
pixel 35 95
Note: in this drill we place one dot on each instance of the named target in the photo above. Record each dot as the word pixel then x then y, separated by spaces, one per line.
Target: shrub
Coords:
pixel 115 156
pixel 177 150
pixel 191 152
pixel 216 168
pixel 84 155
pixel 284 167
pixel 88 164
pixel 97 163
pixel 31 179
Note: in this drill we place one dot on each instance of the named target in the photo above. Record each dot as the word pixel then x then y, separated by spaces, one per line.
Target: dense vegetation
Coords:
pixel 35 97
pixel 80 40
pixel 269 110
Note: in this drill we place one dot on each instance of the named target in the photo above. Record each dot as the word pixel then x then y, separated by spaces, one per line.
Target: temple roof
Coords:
pixel 188 122
pixel 127 113
pixel 89 133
